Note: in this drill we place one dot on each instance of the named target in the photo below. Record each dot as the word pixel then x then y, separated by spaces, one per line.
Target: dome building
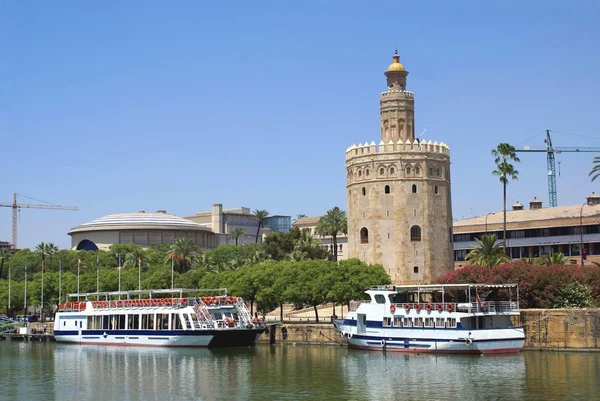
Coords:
pixel 141 228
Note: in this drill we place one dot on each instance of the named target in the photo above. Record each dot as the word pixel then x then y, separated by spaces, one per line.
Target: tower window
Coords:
pixel 416 269
pixel 392 170
pixel 415 234
pixel 387 213
pixel 364 235
pixel 430 171
pixel 367 172
pixel 364 191
pixel 414 189
pixel 381 171
pixel 359 173
pixel 435 190
pixel 408 171
pixel 387 189
pixel 417 171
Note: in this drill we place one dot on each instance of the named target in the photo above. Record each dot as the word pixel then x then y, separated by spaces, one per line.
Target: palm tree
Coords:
pixel 236 233
pixel 305 244
pixel 504 170
pixel 595 173
pixel 487 252
pixel 184 251
pixel 554 259
pixel 135 258
pixel 5 254
pixel 260 216
pixel 332 223
pixel 299 216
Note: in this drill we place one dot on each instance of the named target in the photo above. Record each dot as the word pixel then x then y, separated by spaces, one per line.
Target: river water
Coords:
pixel 50 371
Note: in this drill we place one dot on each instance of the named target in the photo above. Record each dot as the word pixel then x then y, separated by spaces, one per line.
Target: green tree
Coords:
pixel 5 255
pixel 333 223
pixel 184 251
pixel 260 215
pixel 574 295
pixel 505 171
pixel 487 252
pixel 305 245
pixel 595 172
pixel 555 259
pixel 135 258
pixel 235 233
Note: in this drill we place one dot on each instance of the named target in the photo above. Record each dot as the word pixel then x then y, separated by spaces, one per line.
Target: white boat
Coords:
pixel 147 318
pixel 444 318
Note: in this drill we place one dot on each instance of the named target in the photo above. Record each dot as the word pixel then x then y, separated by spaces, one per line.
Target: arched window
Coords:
pixel 367 172
pixel 387 189
pixel 364 235
pixel 416 269
pixel 436 190
pixel 430 171
pixel 359 173
pixel 392 170
pixel 408 171
pixel 381 171
pixel 415 234
pixel 364 191
pixel 414 189
pixel 417 170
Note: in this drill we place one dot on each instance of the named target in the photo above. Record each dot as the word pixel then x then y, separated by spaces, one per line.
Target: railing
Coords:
pixel 355 304
pixel 243 314
pixel 473 307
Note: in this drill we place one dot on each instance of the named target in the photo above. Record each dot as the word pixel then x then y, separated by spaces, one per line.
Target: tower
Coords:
pixel 398 193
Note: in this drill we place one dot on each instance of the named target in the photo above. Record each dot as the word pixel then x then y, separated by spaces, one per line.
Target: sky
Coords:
pixel 116 107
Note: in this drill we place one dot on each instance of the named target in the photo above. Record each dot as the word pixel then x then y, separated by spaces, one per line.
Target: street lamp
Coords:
pixel 581 232
pixel 486 217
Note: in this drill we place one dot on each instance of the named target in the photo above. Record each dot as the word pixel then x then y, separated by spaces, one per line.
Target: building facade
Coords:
pixel 537 231
pixel 398 193
pixel 310 223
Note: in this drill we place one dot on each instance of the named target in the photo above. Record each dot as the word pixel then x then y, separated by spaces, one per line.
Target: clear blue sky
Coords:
pixel 119 106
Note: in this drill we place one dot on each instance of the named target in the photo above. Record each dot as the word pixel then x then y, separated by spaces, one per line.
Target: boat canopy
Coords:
pixel 438 287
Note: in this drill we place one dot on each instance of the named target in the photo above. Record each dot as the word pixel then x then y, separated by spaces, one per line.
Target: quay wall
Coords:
pixel 546 329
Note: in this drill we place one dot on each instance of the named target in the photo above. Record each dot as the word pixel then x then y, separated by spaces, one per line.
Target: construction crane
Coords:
pixel 16 206
pixel 550 151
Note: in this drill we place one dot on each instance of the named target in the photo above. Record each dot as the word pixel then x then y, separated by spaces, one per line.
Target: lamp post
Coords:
pixel 581 233
pixel 486 217
pixel 9 278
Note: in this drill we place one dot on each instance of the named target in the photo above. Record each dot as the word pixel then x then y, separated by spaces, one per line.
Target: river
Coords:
pixel 50 371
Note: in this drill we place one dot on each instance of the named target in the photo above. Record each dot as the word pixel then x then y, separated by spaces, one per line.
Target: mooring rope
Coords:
pixel 331 339
pixel 535 321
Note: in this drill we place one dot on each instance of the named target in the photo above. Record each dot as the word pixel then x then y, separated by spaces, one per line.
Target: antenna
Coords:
pixel 426 128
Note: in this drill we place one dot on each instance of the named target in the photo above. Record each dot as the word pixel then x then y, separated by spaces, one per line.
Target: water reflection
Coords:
pixel 73 372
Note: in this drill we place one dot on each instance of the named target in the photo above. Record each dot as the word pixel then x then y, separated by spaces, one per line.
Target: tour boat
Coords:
pixel 444 318
pixel 146 318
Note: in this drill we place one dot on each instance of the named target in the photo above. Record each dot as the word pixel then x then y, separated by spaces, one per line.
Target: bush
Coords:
pixel 574 295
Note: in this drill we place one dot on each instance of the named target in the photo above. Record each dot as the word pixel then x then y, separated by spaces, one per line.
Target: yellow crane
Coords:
pixel 16 206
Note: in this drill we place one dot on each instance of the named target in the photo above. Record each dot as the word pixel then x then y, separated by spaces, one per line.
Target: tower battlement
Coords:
pixel 415 146
pixel 396 93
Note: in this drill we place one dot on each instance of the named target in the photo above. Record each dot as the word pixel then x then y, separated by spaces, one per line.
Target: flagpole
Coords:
pixel 97 275
pixel 172 266
pixel 119 256
pixel 8 312
pixel 43 265
pixel 139 276
pixel 78 268
pixel 59 280
pixel 25 297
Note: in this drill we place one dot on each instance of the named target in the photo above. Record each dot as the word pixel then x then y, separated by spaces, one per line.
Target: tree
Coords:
pixel 305 245
pixel 5 255
pixel 505 171
pixel 260 215
pixel 487 252
pixel 332 223
pixel 299 216
pixel 236 233
pixel 184 251
pixel 595 172
pixel 135 257
pixel 554 259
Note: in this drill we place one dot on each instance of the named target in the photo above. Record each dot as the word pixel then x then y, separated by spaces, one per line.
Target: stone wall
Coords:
pixel 320 333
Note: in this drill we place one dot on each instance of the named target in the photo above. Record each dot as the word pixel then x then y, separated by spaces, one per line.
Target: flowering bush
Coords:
pixel 539 286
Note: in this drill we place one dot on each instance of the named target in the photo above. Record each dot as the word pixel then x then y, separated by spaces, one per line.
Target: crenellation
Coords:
pixel 413 147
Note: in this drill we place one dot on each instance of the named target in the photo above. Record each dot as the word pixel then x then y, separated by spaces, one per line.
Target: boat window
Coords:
pixel 151 321
pixel 176 322
pixel 144 322
pixel 407 322
pixel 65 323
pixel 428 322
pixel 397 321
pixel 158 321
pixel 451 322
pixel 165 321
pixel 418 322
pixel 217 316
pixel 379 298
pixel 387 322
pixel 98 323
pixel 122 322
pixel 105 320
pixel 398 298
pixel 439 322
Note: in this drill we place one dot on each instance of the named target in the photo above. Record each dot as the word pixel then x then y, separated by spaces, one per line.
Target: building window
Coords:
pixel 392 170
pixel 364 191
pixel 367 172
pixel 359 173
pixel 364 235
pixel 387 189
pixel 435 190
pixel 387 213
pixel 408 171
pixel 414 189
pixel 430 171
pixel 381 171
pixel 417 171
pixel 416 269
pixel 415 234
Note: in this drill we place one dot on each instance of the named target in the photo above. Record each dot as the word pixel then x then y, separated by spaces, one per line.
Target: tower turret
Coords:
pixel 397 105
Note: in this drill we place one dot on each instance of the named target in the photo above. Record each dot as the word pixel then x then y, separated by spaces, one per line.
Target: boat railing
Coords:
pixel 473 307
pixel 243 314
pixel 355 304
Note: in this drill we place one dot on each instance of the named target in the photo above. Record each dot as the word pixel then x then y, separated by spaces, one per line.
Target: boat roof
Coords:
pixel 179 291
pixel 437 287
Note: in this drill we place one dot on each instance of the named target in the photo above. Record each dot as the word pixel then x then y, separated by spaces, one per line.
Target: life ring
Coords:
pixel 450 307
pixel 382 342
pixel 407 307
pixel 392 308
pixel 428 307
pixel 483 306
pixel 418 307
pixel 349 336
pixel 440 307
pixel 468 342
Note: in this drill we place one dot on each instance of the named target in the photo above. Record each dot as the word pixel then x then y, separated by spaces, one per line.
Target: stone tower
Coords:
pixel 398 193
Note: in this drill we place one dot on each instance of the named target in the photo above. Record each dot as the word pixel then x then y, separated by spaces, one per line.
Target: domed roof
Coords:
pixel 396 66
pixel 140 220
